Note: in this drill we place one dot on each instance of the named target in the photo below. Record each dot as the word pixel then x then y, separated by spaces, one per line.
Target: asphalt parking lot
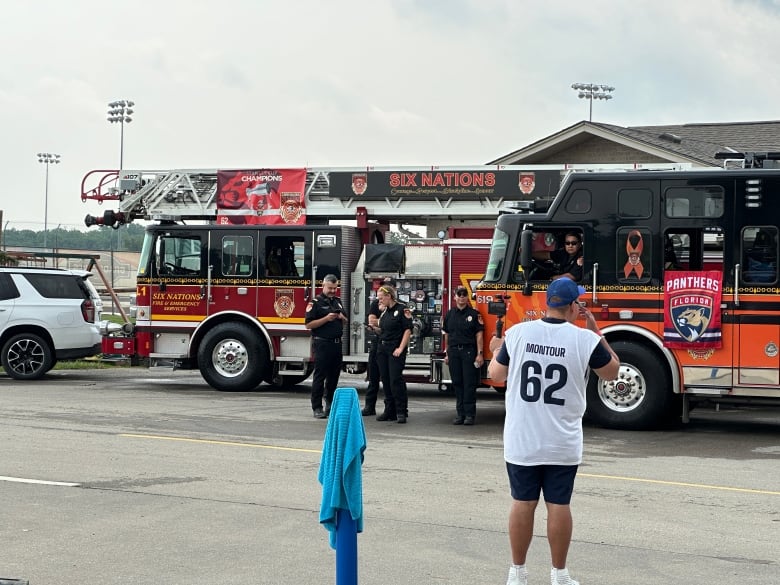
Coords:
pixel 131 475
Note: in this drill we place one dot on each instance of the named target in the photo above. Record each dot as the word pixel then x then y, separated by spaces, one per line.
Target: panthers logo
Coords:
pixel 691 322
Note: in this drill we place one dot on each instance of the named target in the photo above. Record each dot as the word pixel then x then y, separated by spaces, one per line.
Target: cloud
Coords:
pixel 348 83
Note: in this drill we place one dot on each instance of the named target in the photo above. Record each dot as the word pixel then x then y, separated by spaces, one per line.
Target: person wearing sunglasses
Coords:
pixel 568 261
pixel 462 328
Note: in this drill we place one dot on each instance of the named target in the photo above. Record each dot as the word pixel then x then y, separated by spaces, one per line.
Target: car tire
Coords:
pixel 27 356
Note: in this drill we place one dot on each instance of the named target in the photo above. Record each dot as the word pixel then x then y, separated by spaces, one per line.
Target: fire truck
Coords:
pixel 680 269
pixel 222 291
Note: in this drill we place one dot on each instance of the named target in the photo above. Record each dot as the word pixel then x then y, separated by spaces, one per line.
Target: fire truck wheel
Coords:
pixel 640 398
pixel 27 356
pixel 233 358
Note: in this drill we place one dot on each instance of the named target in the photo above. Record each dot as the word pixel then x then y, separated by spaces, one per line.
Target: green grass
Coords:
pixel 95 362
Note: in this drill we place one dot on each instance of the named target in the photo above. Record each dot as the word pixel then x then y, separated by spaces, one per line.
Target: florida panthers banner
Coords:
pixel 692 309
pixel 261 196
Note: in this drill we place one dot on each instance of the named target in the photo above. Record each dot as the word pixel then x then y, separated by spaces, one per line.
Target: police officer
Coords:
pixel 325 317
pixel 395 330
pixel 372 392
pixel 463 327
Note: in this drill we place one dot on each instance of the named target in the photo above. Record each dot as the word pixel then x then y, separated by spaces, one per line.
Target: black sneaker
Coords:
pixel 468 421
pixel 401 419
pixel 368 411
pixel 458 420
pixel 318 413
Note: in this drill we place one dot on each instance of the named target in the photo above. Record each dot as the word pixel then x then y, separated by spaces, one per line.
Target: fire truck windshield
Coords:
pixel 497 255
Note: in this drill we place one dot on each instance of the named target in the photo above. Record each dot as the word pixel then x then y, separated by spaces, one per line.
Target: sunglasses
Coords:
pixel 461 293
pixel 572 243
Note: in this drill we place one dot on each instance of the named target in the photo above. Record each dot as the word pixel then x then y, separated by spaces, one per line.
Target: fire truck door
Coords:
pixel 179 277
pixel 285 272
pixel 235 263
pixel 758 332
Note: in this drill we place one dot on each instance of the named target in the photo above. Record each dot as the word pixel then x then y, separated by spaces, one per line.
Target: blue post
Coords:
pixel 341 511
pixel 346 549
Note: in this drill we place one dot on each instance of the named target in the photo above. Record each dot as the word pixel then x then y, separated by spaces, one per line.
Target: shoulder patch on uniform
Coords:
pixel 309 307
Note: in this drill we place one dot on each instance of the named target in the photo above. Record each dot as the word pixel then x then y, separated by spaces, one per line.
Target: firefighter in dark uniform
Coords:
pixel 372 392
pixel 395 330
pixel 325 317
pixel 463 327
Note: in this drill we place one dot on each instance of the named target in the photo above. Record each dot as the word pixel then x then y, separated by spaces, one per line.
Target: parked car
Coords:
pixel 93 292
pixel 46 315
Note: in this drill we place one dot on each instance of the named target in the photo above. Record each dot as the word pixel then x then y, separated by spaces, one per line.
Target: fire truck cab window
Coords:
pixel 579 202
pixel 694 201
pixel 285 257
pixel 179 255
pixel 237 256
pixel 635 203
pixel 759 245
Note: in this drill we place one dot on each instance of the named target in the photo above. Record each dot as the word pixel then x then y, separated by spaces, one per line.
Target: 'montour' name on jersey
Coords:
pixel 545 349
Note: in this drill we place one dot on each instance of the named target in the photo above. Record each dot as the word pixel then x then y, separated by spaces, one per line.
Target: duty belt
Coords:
pixel 328 339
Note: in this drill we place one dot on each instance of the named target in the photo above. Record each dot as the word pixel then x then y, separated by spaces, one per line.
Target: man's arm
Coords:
pixel 609 371
pixel 498 368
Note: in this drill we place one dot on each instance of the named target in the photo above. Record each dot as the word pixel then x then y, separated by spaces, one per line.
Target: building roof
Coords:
pixel 693 143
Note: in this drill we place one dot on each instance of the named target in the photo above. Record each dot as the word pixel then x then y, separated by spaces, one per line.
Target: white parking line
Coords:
pixel 38 481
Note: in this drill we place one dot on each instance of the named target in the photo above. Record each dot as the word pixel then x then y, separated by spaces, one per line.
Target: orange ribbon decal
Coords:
pixel 634 250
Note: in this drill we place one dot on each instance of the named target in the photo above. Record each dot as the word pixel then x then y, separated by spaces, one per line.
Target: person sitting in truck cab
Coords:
pixel 568 261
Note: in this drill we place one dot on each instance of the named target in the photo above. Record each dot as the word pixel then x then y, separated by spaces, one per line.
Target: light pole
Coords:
pixel 120 111
pixel 593 91
pixel 47 158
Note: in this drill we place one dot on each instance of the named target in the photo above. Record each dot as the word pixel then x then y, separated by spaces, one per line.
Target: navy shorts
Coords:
pixel 556 482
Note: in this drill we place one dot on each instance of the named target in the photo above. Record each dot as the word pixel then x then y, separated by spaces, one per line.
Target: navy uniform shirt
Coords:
pixel 462 326
pixel 320 307
pixel 393 322
pixel 374 310
pixel 567 264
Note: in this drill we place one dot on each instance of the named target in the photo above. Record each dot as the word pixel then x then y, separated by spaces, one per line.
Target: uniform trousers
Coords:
pixel 465 378
pixel 391 372
pixel 372 393
pixel 327 367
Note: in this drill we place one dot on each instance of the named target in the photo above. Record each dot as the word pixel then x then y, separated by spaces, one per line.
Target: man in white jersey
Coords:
pixel 545 364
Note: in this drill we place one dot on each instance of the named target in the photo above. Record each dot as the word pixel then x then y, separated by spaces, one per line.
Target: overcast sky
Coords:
pixel 293 83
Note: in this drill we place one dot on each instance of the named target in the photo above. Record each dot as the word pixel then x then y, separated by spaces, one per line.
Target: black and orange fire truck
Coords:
pixel 681 273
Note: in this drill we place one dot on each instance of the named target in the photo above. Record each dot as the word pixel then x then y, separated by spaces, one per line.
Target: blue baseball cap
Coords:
pixel 563 291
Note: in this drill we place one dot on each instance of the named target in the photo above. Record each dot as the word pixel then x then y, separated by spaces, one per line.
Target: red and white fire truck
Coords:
pixel 231 258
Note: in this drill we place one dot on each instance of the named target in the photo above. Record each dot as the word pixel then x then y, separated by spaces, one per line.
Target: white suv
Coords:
pixel 45 315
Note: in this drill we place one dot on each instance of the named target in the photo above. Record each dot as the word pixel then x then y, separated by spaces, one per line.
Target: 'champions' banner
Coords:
pixel 692 309
pixel 261 196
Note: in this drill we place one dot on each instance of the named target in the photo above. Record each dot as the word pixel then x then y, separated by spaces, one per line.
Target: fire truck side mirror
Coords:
pixel 526 243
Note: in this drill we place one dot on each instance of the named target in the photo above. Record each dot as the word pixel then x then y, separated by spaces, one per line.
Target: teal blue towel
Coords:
pixel 342 457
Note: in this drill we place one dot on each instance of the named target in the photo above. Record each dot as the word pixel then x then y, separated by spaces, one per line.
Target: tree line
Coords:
pixel 128 238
